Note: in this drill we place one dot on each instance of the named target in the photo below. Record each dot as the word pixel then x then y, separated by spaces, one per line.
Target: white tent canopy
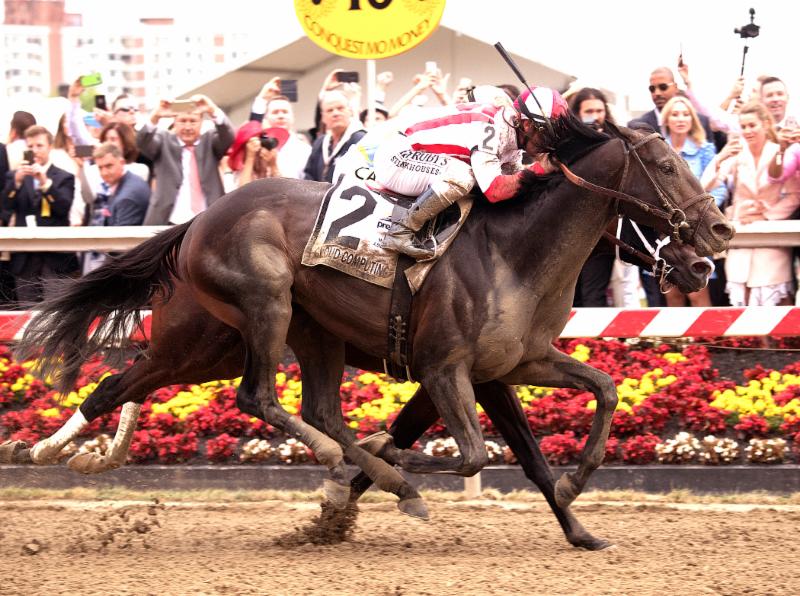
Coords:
pixel 455 53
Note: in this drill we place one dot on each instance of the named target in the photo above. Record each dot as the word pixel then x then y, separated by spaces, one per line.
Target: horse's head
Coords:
pixel 659 189
pixel 676 263
pixel 648 181
pixel 688 272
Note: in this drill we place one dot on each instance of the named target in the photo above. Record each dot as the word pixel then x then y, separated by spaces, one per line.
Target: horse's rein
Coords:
pixel 674 215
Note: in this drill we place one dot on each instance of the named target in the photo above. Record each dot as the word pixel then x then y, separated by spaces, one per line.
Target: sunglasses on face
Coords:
pixel 661 87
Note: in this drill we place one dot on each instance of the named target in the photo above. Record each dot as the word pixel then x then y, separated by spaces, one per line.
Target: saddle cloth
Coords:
pixel 352 222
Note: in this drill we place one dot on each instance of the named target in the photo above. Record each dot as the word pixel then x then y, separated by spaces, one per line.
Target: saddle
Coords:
pixel 354 217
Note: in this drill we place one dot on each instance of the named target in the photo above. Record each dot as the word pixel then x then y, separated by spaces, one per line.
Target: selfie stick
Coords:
pixel 510 61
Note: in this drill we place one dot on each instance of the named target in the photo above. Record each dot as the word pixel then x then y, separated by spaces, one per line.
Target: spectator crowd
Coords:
pixel 122 167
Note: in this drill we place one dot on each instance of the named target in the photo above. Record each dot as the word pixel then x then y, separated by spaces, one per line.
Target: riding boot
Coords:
pixel 401 236
pixel 456 182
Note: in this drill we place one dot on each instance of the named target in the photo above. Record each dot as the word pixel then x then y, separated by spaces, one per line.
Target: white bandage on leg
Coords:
pixel 118 452
pixel 46 450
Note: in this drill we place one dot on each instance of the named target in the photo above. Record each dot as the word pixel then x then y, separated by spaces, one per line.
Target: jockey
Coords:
pixel 440 158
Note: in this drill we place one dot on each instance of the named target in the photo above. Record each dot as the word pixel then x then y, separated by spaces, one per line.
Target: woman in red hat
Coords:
pixel 254 153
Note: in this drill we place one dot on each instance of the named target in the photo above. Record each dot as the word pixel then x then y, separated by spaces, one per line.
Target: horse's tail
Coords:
pixel 60 334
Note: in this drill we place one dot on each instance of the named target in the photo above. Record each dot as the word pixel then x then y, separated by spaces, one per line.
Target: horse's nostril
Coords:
pixel 701 268
pixel 722 230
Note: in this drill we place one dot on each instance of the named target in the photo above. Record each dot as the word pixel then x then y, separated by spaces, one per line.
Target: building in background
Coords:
pixel 43 47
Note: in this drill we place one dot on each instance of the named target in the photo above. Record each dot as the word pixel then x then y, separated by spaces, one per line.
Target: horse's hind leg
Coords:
pixel 321 358
pixel 504 410
pixel 133 385
pixel 416 416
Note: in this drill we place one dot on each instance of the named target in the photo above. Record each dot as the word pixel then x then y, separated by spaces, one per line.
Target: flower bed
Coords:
pixel 673 408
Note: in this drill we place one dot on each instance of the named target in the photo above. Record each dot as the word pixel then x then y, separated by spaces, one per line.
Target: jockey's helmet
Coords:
pixel 542 104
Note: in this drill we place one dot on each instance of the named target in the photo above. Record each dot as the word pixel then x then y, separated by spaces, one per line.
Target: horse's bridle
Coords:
pixel 675 215
pixel 652 258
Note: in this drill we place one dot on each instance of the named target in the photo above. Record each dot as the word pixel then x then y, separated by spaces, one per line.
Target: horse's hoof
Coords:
pixel 589 542
pixel 90 463
pixel 565 491
pixel 375 443
pixel 336 494
pixel 15 452
pixel 414 507
pixel 43 454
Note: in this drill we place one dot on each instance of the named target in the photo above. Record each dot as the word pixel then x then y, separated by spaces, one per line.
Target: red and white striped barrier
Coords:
pixel 594 322
pixel 13 323
pixel 683 322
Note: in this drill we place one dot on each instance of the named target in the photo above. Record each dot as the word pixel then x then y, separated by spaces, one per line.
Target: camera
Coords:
pixel 749 30
pixel 269 143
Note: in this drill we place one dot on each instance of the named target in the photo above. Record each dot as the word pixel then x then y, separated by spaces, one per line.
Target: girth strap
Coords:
pixel 396 364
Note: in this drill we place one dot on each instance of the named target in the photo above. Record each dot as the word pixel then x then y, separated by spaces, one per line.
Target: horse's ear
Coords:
pixel 642 127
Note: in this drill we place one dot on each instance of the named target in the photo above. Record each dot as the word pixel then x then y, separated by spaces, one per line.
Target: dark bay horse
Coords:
pixel 488 312
pixel 211 350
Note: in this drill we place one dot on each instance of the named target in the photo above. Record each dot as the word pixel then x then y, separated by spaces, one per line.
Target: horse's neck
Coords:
pixel 556 231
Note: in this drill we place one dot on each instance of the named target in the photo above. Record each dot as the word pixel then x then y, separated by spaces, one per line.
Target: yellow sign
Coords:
pixel 368 28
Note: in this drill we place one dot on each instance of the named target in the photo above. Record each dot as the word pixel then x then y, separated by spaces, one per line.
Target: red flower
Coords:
pixel 560 449
pixel 640 449
pixel 221 448
pixel 751 426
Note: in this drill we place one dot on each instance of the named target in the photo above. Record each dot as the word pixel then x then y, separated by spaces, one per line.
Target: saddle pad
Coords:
pixel 350 227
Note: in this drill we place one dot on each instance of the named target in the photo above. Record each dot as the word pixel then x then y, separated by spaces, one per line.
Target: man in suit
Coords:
pixel 40 195
pixel 123 199
pixel 663 88
pixel 185 162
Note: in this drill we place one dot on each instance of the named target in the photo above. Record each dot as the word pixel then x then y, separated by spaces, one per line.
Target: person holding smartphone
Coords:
pixel 39 194
pixel 185 159
pixel 755 276
pixel 273 109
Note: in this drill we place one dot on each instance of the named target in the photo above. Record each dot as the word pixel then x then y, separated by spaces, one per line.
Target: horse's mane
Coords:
pixel 568 141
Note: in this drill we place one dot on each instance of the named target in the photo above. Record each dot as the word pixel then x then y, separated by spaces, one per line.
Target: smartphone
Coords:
pixel 347 76
pixel 91 80
pixel 84 150
pixel 431 69
pixel 100 102
pixel 27 156
pixel 183 105
pixel 289 89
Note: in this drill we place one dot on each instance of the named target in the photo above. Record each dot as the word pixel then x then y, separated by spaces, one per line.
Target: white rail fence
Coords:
pixel 758 234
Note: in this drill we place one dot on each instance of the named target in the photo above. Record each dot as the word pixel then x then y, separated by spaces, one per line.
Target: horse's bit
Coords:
pixel 674 214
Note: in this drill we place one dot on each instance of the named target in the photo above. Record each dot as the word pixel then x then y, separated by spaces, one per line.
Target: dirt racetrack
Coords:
pixel 55 547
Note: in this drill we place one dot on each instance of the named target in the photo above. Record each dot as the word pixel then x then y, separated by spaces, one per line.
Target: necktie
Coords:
pixel 196 191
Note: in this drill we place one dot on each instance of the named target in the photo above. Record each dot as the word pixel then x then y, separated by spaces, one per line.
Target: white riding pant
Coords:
pixel 401 169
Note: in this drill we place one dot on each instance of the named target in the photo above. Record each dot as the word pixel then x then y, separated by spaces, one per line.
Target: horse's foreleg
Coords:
pixel 450 390
pixel 501 404
pixel 321 357
pixel 560 370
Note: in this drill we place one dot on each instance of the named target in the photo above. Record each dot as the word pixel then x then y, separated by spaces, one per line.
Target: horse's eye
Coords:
pixel 667 167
